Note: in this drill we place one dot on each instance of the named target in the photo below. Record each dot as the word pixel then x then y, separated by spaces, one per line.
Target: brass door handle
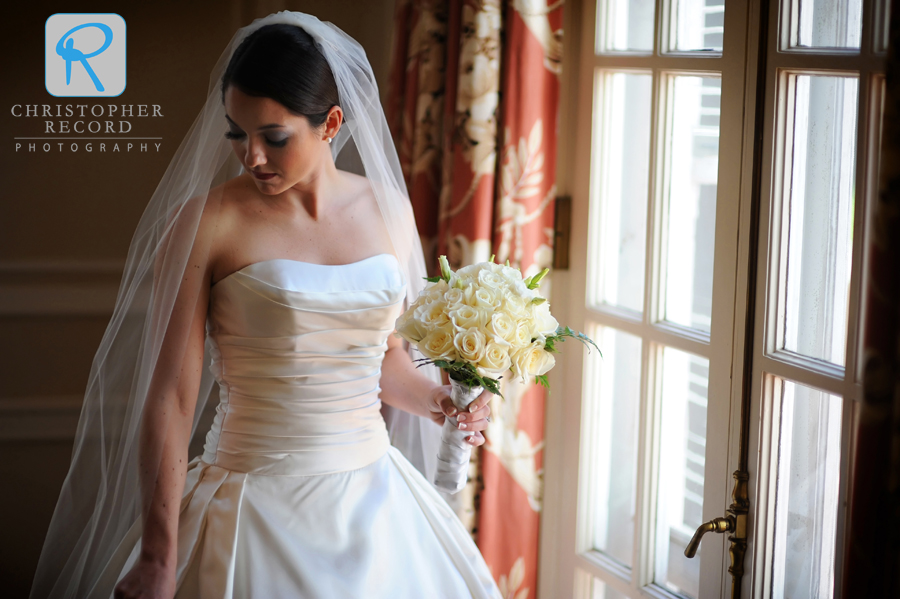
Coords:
pixel 719 525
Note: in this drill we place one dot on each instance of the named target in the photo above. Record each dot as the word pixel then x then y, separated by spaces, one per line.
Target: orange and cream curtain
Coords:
pixel 472 105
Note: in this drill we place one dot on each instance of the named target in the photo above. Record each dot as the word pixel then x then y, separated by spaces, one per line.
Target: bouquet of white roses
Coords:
pixel 477 323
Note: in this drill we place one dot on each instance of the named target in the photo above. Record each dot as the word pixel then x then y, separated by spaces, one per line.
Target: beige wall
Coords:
pixel 66 221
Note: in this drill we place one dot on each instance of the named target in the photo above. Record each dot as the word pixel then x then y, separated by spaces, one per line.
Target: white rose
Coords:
pixel 512 275
pixel 522 334
pixel 470 344
pixel 420 301
pixel 409 328
pixel 532 360
pixel 434 291
pixel 465 317
pixel 438 344
pixel 514 305
pixel 469 295
pixel 486 313
pixel 453 297
pixel 522 290
pixel 495 360
pixel 432 315
pixel 490 279
pixel 544 322
pixel 468 270
pixel 483 297
pixel 502 326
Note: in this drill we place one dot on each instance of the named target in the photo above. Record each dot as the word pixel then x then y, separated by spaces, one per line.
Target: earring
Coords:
pixel 328 139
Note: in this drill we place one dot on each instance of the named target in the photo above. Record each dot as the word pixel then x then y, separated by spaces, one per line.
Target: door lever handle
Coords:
pixel 720 525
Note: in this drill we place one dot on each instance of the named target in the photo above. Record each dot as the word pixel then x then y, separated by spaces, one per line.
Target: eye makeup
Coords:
pixel 275 143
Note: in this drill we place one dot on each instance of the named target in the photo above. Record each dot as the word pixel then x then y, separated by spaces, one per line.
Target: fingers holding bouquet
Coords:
pixel 475 418
pixel 478 414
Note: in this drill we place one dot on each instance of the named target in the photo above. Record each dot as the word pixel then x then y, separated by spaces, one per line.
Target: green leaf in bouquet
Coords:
pixel 465 373
pixel 550 344
pixel 543 382
pixel 442 364
pixel 492 258
pixel 492 385
pixel 433 279
pixel 563 332
pixel 538 301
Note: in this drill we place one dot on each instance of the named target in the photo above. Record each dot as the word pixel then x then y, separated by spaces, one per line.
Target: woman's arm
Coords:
pixel 404 387
pixel 168 415
pixel 165 432
pixel 164 440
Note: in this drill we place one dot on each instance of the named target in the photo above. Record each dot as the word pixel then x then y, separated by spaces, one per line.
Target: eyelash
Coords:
pixel 274 144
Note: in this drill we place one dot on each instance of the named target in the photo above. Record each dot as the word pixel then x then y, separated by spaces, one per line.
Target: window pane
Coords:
pixel 819 217
pixel 622 167
pixel 826 24
pixel 682 457
pixel 615 390
pixel 691 215
pixel 601 591
pixel 698 25
pixel 809 463
pixel 625 25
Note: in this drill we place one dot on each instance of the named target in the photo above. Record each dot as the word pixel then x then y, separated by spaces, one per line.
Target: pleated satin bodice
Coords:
pixel 297 350
pixel 299 492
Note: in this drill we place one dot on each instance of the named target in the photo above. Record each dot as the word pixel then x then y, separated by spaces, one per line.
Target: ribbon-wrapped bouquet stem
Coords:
pixel 477 323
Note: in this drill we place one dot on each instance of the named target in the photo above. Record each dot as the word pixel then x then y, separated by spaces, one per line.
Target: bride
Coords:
pixel 276 267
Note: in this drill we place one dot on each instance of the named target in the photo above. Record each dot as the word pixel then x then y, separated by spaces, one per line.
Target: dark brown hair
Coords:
pixel 281 61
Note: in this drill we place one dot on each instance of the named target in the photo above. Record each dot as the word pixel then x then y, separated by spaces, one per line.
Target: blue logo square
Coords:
pixel 84 54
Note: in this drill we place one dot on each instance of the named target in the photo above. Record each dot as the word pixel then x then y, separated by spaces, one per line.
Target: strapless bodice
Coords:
pixel 297 350
pixel 299 492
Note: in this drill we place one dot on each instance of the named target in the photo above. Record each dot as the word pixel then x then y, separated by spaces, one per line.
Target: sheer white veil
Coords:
pixel 145 340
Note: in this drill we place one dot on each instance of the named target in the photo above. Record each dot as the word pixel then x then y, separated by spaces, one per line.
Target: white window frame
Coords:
pixel 566 566
pixel 566 560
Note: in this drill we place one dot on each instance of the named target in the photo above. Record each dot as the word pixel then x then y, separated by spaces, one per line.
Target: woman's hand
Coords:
pixel 147 580
pixel 440 406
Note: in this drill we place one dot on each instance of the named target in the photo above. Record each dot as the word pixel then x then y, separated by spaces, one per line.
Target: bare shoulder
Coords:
pixel 365 189
pixel 357 185
pixel 211 209
pixel 206 218
pixel 229 201
pixel 363 194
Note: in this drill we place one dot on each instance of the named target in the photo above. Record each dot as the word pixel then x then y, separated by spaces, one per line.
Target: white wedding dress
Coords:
pixel 299 492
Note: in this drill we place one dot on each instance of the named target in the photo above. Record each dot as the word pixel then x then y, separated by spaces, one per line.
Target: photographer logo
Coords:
pixel 84 54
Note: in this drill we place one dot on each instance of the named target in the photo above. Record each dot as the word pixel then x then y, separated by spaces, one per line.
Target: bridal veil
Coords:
pixel 101 496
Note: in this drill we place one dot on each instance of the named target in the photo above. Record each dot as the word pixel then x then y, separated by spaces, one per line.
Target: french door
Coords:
pixel 821 139
pixel 721 164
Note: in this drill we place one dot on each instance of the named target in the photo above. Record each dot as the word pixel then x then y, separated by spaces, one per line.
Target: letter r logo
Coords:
pixel 84 54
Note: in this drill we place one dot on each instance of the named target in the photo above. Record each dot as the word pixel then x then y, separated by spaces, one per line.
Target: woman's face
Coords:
pixel 277 147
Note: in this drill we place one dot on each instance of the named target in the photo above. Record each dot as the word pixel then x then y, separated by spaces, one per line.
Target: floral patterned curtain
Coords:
pixel 472 105
pixel 872 555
